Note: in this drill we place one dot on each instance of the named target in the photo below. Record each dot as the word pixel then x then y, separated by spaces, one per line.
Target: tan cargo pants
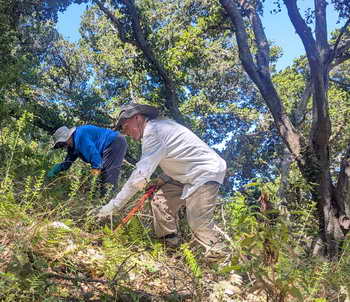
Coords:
pixel 200 207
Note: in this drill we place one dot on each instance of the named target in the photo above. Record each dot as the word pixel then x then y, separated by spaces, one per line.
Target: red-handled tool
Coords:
pixel 139 205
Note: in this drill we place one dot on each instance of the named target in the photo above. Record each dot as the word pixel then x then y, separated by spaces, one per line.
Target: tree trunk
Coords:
pixel 313 157
pixel 323 192
pixel 139 39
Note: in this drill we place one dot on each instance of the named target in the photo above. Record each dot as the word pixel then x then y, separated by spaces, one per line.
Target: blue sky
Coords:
pixel 278 29
pixel 69 22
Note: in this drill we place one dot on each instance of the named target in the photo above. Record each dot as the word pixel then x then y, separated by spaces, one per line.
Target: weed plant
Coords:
pixel 53 249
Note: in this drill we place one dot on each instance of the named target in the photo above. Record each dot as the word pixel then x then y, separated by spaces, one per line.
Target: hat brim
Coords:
pixel 64 140
pixel 133 109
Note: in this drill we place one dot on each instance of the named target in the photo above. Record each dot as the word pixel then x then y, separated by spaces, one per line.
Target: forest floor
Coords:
pixel 60 263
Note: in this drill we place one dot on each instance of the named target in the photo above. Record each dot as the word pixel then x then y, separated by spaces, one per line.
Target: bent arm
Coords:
pixel 153 151
pixel 68 161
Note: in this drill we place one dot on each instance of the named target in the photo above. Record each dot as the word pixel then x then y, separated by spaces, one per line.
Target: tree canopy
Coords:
pixel 209 65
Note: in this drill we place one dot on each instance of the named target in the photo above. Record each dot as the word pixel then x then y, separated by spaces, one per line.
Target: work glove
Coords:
pixel 95 172
pixel 108 209
pixel 54 171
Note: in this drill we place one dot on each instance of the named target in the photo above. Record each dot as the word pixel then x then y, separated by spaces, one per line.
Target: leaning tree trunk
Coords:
pixel 139 40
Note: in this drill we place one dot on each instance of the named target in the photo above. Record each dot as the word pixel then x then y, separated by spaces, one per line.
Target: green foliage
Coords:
pixel 158 250
pixel 52 232
pixel 275 250
pixel 46 81
pixel 191 261
pixel 136 233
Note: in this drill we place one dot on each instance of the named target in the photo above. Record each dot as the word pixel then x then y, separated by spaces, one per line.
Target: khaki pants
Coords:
pixel 200 207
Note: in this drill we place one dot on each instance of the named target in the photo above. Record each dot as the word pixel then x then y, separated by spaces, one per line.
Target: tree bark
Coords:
pixel 262 79
pixel 343 184
pixel 312 157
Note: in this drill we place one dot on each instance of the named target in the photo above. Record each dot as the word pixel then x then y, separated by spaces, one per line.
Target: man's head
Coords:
pixel 132 119
pixel 62 137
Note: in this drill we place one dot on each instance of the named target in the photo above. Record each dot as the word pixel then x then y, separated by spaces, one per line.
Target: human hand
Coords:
pixel 108 209
pixel 54 171
pixel 95 172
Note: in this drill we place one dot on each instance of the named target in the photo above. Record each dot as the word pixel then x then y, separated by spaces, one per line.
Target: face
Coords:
pixel 133 127
pixel 60 145
pixel 64 145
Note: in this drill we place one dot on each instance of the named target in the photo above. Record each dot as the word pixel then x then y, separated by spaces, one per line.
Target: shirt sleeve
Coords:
pixel 70 158
pixel 153 151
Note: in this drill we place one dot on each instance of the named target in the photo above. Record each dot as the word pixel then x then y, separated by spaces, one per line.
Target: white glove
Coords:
pixel 109 208
pixel 118 202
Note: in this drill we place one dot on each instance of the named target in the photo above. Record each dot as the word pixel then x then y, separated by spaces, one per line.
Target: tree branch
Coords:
pixel 343 49
pixel 263 55
pixel 339 60
pixel 321 29
pixel 340 84
pixel 300 111
pixel 264 83
pixel 303 31
pixel 319 72
pixel 263 50
pixel 335 51
pixel 242 40
pixel 115 21
pixel 171 98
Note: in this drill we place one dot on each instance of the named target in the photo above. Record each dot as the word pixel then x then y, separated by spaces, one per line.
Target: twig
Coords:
pixel 83 280
pixel 194 281
pixel 119 270
pixel 226 236
pixel 128 163
pixel 223 215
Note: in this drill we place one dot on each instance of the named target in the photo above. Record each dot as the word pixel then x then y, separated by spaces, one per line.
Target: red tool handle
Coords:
pixel 139 205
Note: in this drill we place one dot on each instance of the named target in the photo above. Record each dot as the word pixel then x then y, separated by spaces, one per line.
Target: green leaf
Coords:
pixel 230 268
pixel 247 241
pixel 252 184
pixel 295 292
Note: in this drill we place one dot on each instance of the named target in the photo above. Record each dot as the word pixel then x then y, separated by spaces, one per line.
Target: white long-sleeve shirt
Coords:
pixel 180 154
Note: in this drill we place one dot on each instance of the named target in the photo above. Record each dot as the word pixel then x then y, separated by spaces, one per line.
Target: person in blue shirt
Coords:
pixel 104 149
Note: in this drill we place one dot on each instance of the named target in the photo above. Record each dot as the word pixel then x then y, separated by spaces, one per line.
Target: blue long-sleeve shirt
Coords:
pixel 89 142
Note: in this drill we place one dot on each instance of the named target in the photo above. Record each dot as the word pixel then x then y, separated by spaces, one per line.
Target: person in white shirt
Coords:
pixel 193 172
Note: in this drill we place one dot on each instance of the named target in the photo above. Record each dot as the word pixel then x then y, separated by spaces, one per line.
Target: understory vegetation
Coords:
pixel 52 249
pixel 212 66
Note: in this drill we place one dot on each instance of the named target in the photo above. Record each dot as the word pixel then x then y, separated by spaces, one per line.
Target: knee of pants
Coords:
pixel 199 224
pixel 159 204
pixel 157 200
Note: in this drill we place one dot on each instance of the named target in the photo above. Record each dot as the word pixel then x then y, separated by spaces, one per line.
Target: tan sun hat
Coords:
pixel 62 135
pixel 129 110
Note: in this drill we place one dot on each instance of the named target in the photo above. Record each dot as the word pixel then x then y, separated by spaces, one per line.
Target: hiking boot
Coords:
pixel 216 256
pixel 171 240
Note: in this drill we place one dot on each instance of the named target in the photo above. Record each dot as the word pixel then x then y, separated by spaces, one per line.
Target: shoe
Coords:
pixel 216 256
pixel 171 240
